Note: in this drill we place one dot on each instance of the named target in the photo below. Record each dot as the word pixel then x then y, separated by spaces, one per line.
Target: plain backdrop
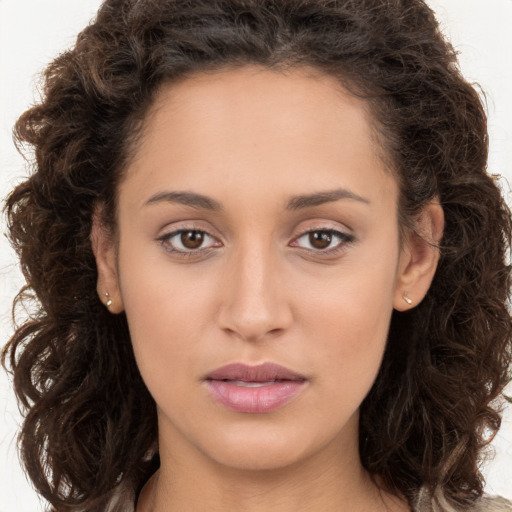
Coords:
pixel 32 32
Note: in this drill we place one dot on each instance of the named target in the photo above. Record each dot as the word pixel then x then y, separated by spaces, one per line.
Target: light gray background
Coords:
pixel 32 32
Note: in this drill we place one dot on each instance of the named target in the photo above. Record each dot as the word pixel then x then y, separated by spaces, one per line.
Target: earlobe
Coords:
pixel 105 253
pixel 419 258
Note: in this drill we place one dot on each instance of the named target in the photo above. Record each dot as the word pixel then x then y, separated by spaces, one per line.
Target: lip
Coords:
pixel 254 389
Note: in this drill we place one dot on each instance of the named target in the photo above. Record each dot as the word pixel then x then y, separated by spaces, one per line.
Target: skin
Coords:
pixel 258 289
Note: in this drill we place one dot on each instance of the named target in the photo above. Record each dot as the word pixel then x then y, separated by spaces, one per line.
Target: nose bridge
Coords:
pixel 254 303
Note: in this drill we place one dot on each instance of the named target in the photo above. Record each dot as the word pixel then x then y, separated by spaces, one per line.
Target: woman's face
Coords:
pixel 257 224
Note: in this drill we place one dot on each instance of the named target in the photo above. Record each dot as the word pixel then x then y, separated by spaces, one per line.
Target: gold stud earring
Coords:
pixel 409 301
pixel 109 300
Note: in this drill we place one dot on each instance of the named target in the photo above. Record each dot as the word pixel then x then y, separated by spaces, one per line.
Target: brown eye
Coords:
pixel 192 239
pixel 188 242
pixel 324 241
pixel 320 239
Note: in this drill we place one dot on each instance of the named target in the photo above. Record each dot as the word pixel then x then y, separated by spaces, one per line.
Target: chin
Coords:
pixel 262 451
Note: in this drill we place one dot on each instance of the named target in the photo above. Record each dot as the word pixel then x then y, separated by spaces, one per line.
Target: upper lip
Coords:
pixel 260 373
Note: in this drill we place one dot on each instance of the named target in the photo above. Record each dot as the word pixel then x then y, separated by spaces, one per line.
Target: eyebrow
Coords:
pixel 299 202
pixel 318 198
pixel 187 198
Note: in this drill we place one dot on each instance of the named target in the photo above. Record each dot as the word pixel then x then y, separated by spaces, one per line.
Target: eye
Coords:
pixel 323 240
pixel 185 241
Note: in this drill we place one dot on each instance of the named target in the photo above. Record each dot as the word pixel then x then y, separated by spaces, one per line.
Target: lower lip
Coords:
pixel 254 399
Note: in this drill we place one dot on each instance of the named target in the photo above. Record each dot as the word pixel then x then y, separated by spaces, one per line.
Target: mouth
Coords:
pixel 251 384
pixel 254 389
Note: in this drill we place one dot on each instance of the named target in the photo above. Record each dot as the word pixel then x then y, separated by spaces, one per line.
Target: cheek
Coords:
pixel 349 319
pixel 167 311
pixel 352 333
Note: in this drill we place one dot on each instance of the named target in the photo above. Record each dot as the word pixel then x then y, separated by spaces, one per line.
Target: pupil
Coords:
pixel 320 239
pixel 192 239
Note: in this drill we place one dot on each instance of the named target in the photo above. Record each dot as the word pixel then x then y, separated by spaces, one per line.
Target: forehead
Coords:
pixel 253 96
pixel 289 129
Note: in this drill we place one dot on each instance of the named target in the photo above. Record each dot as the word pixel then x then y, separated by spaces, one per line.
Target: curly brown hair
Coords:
pixel 90 421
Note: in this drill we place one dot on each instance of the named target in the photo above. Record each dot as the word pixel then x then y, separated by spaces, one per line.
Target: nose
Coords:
pixel 254 295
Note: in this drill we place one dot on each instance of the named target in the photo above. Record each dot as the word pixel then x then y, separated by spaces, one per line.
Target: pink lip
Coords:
pixel 280 386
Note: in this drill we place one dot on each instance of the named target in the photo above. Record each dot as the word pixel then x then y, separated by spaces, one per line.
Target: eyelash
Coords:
pixel 345 239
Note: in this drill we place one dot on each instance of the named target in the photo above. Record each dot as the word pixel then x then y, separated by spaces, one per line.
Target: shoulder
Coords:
pixel 492 504
pixel 485 504
pixel 121 500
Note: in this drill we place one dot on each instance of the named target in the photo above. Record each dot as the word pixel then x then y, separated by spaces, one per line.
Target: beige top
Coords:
pixel 485 504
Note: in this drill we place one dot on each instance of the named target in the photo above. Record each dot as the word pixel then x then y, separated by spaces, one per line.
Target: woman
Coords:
pixel 255 229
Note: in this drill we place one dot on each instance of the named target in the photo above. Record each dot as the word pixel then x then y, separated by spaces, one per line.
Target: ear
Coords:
pixel 419 257
pixel 105 252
